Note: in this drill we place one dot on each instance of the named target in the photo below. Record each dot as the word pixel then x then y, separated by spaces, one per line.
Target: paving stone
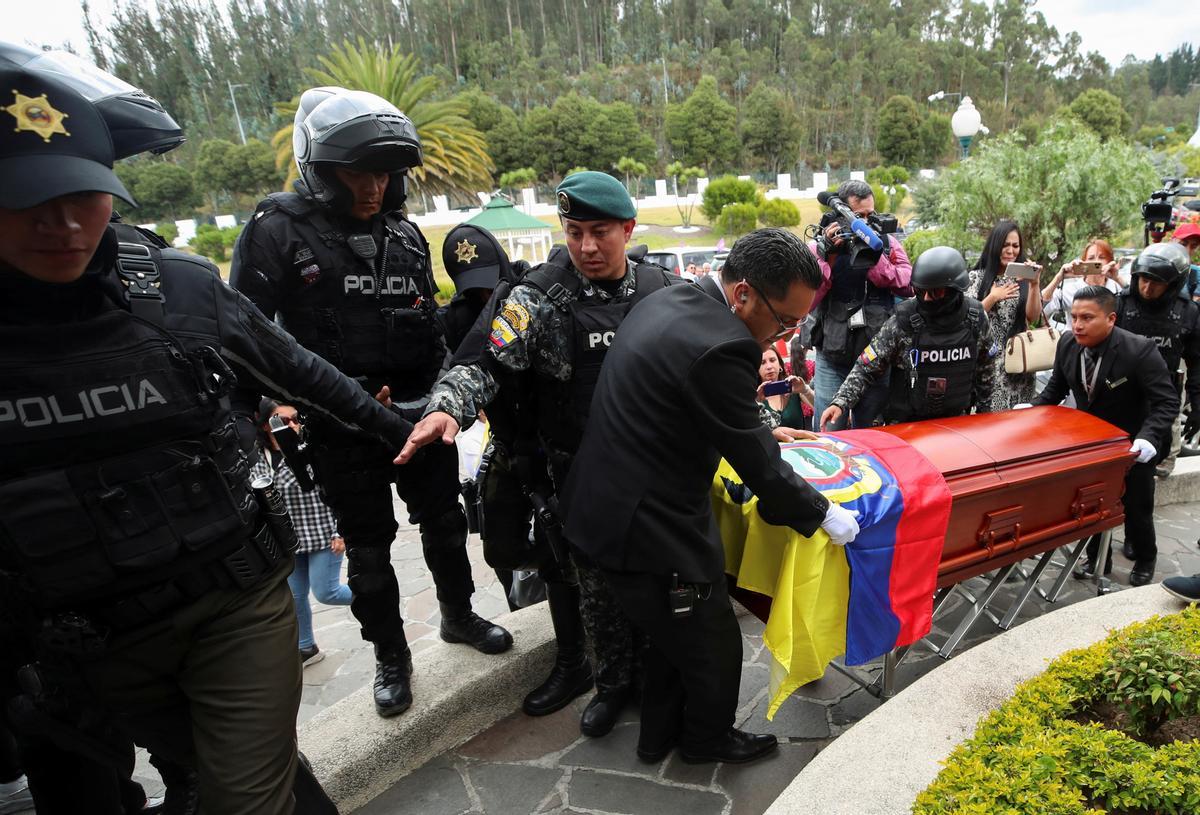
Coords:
pixel 626 795
pixel 754 679
pixel 752 787
pixel 616 751
pixel 679 771
pixel 306 712
pixel 422 606
pixel 504 789
pixel 849 710
pixel 434 789
pixel 833 685
pixel 519 737
pixel 321 672
pixel 795 719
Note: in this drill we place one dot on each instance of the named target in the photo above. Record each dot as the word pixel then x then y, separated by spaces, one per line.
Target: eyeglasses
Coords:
pixel 784 328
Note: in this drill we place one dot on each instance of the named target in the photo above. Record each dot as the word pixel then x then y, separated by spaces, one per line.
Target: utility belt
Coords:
pixel 89 632
pixel 517 511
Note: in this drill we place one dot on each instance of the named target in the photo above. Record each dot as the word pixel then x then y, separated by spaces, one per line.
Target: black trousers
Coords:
pixel 357 477
pixel 1139 511
pixel 693 667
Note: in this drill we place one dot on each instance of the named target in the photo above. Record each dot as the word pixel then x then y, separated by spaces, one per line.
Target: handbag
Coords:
pixel 1031 351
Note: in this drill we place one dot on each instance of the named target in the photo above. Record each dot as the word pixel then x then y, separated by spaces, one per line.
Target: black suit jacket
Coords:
pixel 676 393
pixel 1133 389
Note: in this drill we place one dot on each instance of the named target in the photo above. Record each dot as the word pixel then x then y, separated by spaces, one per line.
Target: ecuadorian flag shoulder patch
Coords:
pixel 868 355
pixel 502 332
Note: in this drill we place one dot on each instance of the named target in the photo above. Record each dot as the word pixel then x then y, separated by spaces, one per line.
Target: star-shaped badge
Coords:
pixel 35 113
pixel 465 251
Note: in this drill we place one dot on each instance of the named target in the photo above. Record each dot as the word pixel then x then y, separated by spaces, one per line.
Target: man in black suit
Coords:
pixel 1119 377
pixel 675 395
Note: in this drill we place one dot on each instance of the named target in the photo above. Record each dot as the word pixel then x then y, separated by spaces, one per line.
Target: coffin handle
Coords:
pixel 1001 528
pixel 1089 500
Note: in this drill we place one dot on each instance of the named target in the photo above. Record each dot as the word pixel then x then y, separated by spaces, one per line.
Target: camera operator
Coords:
pixel 1156 306
pixel 1188 236
pixel 856 296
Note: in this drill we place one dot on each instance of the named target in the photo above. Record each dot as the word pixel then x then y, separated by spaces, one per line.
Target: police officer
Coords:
pixel 137 556
pixel 1156 304
pixel 558 323
pixel 476 264
pixel 350 277
pixel 938 343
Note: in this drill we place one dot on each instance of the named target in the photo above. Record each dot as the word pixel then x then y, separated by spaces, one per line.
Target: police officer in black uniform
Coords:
pixel 547 342
pixel 350 277
pixel 1156 305
pixel 936 345
pixel 135 552
pixel 476 264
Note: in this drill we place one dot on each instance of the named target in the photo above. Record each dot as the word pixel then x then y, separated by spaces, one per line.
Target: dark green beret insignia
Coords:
pixel 594 196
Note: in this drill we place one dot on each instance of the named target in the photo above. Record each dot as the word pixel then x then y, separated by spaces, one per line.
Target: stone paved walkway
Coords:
pixel 525 765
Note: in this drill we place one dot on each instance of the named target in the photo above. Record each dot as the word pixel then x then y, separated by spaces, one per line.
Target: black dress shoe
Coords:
pixel 735 747
pixel 1127 551
pixel 1141 573
pixel 461 624
pixel 567 679
pixel 602 712
pixel 393 691
pixel 656 753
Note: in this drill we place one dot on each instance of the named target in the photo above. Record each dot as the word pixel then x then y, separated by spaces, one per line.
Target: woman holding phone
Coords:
pixel 775 392
pixel 1011 303
pixel 1095 267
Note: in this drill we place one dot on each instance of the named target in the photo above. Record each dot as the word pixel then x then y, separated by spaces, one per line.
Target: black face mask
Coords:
pixel 948 305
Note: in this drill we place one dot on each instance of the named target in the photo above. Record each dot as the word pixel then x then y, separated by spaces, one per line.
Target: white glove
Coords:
pixel 1022 406
pixel 841 524
pixel 1144 449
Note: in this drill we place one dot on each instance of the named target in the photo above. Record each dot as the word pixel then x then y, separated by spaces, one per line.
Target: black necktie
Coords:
pixel 1089 362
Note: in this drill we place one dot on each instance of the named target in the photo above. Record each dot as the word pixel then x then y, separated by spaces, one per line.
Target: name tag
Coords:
pixel 1117 384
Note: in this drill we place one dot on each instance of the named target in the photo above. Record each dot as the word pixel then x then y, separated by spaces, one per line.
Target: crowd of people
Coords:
pixel 157 507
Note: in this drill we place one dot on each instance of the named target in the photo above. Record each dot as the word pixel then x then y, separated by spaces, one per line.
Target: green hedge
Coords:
pixel 1028 756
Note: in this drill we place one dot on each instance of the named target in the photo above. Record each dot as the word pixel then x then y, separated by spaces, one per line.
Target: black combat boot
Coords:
pixel 571 674
pixel 601 714
pixel 461 624
pixel 393 667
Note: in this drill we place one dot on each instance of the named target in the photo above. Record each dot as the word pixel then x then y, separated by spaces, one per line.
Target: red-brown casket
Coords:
pixel 1022 481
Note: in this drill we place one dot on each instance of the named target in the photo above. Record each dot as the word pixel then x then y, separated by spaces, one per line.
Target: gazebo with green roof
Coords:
pixel 525 237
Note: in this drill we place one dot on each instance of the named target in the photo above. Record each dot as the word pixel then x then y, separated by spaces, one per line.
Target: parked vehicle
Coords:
pixel 678 258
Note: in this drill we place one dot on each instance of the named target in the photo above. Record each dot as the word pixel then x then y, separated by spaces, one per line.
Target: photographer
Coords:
pixel 857 295
pixel 1095 267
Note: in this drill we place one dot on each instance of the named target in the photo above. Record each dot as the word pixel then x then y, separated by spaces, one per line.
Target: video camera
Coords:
pixel 866 232
pixel 1158 212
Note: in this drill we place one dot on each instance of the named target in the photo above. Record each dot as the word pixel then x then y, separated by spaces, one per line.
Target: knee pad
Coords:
pixel 370 569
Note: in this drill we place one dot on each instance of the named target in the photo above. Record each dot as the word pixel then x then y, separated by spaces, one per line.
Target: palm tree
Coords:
pixel 455 152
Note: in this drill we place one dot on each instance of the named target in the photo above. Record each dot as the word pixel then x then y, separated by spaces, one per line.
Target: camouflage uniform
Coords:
pixel 530 332
pixel 892 347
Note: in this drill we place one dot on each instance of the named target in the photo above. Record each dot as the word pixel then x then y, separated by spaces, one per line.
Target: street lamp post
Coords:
pixel 236 115
pixel 966 123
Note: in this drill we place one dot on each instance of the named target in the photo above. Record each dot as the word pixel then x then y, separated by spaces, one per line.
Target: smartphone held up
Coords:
pixel 1022 271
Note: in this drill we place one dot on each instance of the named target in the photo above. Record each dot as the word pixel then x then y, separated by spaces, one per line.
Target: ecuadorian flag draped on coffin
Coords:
pixel 862 600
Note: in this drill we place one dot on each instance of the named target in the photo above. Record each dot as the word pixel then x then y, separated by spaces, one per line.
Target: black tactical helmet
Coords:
pixel 357 130
pixel 940 268
pixel 136 122
pixel 1165 262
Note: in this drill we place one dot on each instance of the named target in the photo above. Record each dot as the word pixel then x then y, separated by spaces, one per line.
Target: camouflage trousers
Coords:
pixel 613 643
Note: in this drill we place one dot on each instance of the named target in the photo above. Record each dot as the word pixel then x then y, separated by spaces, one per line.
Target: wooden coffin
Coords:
pixel 1023 482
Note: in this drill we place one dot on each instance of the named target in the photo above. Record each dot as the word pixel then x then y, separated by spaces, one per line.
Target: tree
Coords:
pixel 683 176
pixel 703 130
pixel 162 189
pixel 898 131
pixel 633 170
pixel 1102 112
pixel 455 158
pixel 890 180
pixel 257 173
pixel 778 212
pixel 937 139
pixel 217 170
pixel 736 219
pixel 514 179
pixel 726 190
pixel 1064 190
pixel 771 130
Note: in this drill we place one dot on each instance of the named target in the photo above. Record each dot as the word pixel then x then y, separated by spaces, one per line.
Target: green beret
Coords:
pixel 593 196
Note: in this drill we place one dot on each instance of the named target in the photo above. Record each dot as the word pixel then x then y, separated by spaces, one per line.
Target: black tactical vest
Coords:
pixel 853 310
pixel 563 407
pixel 120 467
pixel 363 302
pixel 937 378
pixel 1164 326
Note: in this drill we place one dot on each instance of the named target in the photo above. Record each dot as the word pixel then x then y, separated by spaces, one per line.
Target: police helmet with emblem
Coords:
pixel 1165 262
pixel 593 196
pixel 53 141
pixel 136 122
pixel 473 258
pixel 940 267
pixel 336 127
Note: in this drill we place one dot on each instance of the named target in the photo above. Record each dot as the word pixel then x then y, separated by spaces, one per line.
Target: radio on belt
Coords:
pixel 682 598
